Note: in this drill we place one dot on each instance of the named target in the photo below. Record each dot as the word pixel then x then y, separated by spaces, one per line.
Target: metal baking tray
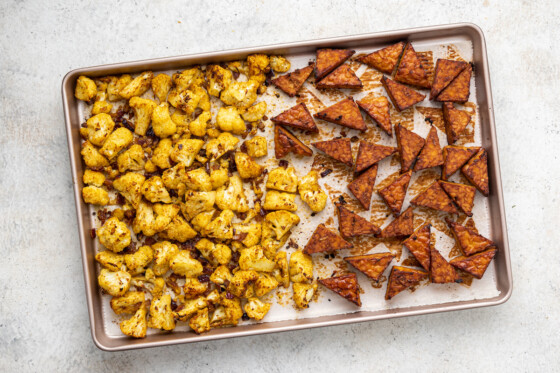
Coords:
pixel 371 41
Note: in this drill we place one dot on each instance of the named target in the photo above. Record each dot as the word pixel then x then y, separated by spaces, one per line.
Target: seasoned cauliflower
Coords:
pixel 154 190
pixel 221 275
pixel 98 128
pixel 247 167
pixel 303 293
pixel 279 64
pixel 219 146
pixel 189 308
pixel 95 196
pixel 265 284
pixel 137 86
pixel 241 284
pixel 93 178
pixel 198 126
pixel 184 264
pixel 193 288
pixel 161 153
pixel 161 316
pixel 301 267
pixel 275 200
pixel 200 322
pixel 216 254
pixel 240 94
pixel 189 99
pixel 137 262
pixel 114 235
pixel 229 120
pixel 128 303
pixel 178 230
pixel 143 109
pixel 197 202
pixel 311 193
pixel 221 227
pixel 130 187
pixel 131 159
pixel 161 84
pixel 233 197
pixel 115 283
pixel 163 252
pixel 202 219
pixel 228 313
pixel 116 141
pixel 116 85
pixel 281 273
pixel 217 79
pixel 186 150
pixel 238 67
pixel 85 89
pixel 281 222
pixel 198 179
pixel 218 177
pixel 256 309
pixel 250 234
pixel 255 112
pixel 173 178
pixel 162 124
pixel 151 219
pixel 101 107
pixel 269 242
pixel 136 326
pixel 257 66
pixel 252 258
pixel 182 121
pixel 282 179
pixel 110 260
pixel 92 157
pixel 256 147
pixel 188 78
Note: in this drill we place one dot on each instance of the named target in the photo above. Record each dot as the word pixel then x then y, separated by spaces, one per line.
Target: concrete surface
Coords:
pixel 43 317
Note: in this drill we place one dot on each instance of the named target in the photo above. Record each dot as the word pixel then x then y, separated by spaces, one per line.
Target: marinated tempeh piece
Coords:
pixel 446 71
pixel 402 278
pixel 401 96
pixel 459 89
pixel 475 264
pixel 369 154
pixel 341 77
pixel 297 117
pixel 461 194
pixel 409 145
pixel 401 226
pixel 291 83
pixel 394 193
pixel 345 113
pixel 410 70
pixel 285 142
pixel 440 270
pixel 470 241
pixel 454 157
pixel 371 265
pixel 330 59
pixel 430 155
pixel 435 198
pixel 351 224
pixel 419 245
pixel 455 121
pixel 346 286
pixel 377 107
pixel 362 187
pixel 339 149
pixel 323 239
pixel 384 60
pixel 476 171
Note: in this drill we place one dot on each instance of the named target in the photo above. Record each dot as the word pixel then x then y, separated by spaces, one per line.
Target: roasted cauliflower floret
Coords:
pixel 200 322
pixel 182 121
pixel 93 178
pixel 256 309
pixel 162 124
pixel 186 150
pixel 198 179
pixel 257 66
pixel 178 230
pixel 117 141
pixel 151 219
pixel 173 178
pixel 130 187
pixel 216 254
pixel 92 157
pixel 161 316
pixel 275 200
pixel 98 128
pixel 265 284
pixel 95 196
pixel 240 94
pixel 233 197
pixel 137 262
pixel 116 85
pixel 247 167
pixel 279 64
pixel 101 107
pixel 114 235
pixel 128 303
pixel 154 190
pixel 202 219
pixel 241 284
pixel 137 86
pixel 194 288
pixel 221 227
pixel 221 275
pixel 189 99
pixel 269 242
pixel 303 293
pixel 281 273
pixel 228 313
pixel 218 177
pixel 311 193
pixel 164 251
pixel 137 325
pixel 184 264
pixel 189 308
pixel 110 260
pixel 229 120
pixel 115 283
pixel 250 234
pixel 132 159
pixel 238 67
pixel 217 79
pixel 161 84
pixel 256 147
pixel 197 202
pixel 85 89
pixel 198 126
pixel 143 109
pixel 219 146
pixel 188 79
pixel 281 222
pixel 252 258
pixel 283 179
pixel 255 112
pixel 301 267
pixel 161 153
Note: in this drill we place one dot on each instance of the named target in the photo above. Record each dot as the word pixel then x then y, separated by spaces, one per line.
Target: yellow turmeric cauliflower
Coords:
pixel 114 235
pixel 115 283
pixel 161 315
pixel 256 147
pixel 257 66
pixel 252 258
pixel 116 141
pixel 154 190
pixel 198 126
pixel 301 267
pixel 283 179
pixel 217 147
pixel 311 193
pixel 92 157
pixel 98 128
pixel 228 313
pixel 110 260
pixel 247 167
pixel 229 120
pixel 233 197
pixel 241 284
pixel 132 159
pixel 164 251
pixel 193 288
pixel 221 227
pixel 281 222
pixel 161 153
pixel 189 308
pixel 137 325
pixel 85 89
pixel 279 64
pixel 137 262
pixel 178 230
pixel 255 112
pixel 93 178
pixel 240 94
pixel 186 150
pixel 220 275
pixel 143 109
pixel 250 234
pixel 256 309
pixel 217 79
pixel 137 86
pixel 216 254
pixel 281 273
pixel 116 85
pixel 218 177
pixel 200 322
pixel 265 284
pixel 162 124
pixel 128 303
pixel 275 200
pixel 101 107
pixel 197 202
pixel 95 195
pixel 151 219
pixel 184 264
pixel 198 179
pixel 130 187
pixel 161 84
pixel 188 78
pixel 303 293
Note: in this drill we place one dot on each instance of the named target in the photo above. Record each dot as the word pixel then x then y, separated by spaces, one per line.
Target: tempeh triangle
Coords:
pixel 410 70
pixel 371 265
pixel 446 71
pixel 401 226
pixel 395 193
pixel 475 264
pixel 351 224
pixel 461 194
pixel 362 187
pixel 440 270
pixel 377 107
pixel 341 77
pixel 323 239
pixel 402 278
pixel 297 117
pixel 476 171
pixel 285 142
pixel 291 83
pixel 430 155
pixel 419 245
pixel 455 121
pixel 330 59
pixel 384 60
pixel 435 198
pixel 469 240
pixel 401 96
pixel 454 157
pixel 369 154
pixel 459 89
pixel 410 145
pixel 345 113
pixel 346 286
pixel 339 149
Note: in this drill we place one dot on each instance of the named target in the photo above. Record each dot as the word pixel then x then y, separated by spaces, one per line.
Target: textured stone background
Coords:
pixel 43 316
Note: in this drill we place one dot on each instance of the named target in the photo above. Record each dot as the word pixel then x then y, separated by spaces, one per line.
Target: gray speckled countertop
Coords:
pixel 43 318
